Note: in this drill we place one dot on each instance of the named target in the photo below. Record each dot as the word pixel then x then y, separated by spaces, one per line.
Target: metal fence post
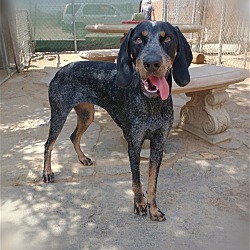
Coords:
pixel 177 11
pixel 74 24
pixel 221 33
pixel 246 41
pixel 193 16
pixel 3 52
pixel 164 10
pixel 203 18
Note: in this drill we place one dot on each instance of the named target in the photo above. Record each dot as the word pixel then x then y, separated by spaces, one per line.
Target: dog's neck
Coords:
pixel 156 106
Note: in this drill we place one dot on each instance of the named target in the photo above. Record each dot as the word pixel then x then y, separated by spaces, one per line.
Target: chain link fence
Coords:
pixel 7 62
pixel 225 34
pixel 58 26
pixel 25 41
pixel 16 47
pixel 224 38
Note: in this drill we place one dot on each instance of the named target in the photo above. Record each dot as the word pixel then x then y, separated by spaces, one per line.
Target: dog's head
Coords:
pixel 155 50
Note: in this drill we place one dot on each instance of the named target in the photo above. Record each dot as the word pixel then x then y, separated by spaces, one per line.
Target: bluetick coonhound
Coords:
pixel 136 92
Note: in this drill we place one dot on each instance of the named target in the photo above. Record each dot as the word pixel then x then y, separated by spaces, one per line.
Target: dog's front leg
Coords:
pixel 140 206
pixel 156 153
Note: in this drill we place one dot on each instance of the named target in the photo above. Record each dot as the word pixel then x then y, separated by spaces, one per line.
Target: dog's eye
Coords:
pixel 168 39
pixel 138 40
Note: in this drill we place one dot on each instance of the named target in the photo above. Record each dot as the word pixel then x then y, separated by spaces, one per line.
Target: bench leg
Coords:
pixel 205 116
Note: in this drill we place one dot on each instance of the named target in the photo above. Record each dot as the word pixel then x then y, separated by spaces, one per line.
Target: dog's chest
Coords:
pixel 151 123
pixel 156 122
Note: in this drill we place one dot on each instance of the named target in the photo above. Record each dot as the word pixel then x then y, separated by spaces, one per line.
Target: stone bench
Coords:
pixel 109 55
pixel 204 114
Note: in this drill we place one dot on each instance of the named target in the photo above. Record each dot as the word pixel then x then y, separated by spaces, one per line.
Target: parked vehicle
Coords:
pixel 95 13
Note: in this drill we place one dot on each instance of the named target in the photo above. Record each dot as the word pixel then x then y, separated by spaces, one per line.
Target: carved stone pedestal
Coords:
pixel 205 116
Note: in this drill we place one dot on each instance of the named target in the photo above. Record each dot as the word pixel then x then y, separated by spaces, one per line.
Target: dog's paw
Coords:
pixel 140 208
pixel 156 214
pixel 86 161
pixel 48 178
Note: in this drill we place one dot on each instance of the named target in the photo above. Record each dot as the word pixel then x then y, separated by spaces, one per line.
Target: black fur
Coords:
pixel 118 89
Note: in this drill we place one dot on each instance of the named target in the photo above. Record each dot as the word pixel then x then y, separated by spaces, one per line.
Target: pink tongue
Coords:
pixel 162 85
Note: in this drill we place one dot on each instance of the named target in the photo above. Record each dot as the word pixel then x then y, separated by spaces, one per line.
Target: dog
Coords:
pixel 136 92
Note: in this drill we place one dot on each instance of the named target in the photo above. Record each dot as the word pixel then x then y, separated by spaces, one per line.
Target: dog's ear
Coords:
pixel 124 63
pixel 182 61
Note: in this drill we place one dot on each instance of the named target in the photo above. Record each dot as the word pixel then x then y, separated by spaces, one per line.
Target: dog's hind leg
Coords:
pixel 57 121
pixel 85 116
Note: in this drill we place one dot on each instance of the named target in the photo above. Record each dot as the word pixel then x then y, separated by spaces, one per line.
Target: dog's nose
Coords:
pixel 152 63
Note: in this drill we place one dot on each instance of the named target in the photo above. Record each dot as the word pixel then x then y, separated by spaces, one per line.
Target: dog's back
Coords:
pixel 88 81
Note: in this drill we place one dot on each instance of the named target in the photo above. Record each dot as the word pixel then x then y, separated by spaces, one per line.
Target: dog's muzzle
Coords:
pixel 154 85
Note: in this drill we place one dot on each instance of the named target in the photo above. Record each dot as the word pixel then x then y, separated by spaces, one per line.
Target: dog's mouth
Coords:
pixel 154 86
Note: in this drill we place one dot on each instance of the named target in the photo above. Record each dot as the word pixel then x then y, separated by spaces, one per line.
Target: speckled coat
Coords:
pixel 133 92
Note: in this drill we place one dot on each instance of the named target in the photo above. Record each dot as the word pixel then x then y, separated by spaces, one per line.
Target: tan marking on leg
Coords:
pixel 47 163
pixel 82 125
pixel 140 206
pixel 155 213
pixel 151 185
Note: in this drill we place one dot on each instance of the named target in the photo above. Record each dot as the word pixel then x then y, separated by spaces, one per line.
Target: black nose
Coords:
pixel 152 63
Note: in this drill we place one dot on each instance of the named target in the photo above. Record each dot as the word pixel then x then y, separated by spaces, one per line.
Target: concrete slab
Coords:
pixel 202 188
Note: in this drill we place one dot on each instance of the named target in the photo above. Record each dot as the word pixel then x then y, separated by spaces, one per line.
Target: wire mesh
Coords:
pixel 226 33
pixel 224 38
pixel 185 12
pixel 7 53
pixel 59 25
pixel 16 40
pixel 24 37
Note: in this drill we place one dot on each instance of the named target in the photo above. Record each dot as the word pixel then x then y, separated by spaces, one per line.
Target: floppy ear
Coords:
pixel 124 63
pixel 182 61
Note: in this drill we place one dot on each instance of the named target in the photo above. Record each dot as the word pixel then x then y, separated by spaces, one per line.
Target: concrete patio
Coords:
pixel 203 189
